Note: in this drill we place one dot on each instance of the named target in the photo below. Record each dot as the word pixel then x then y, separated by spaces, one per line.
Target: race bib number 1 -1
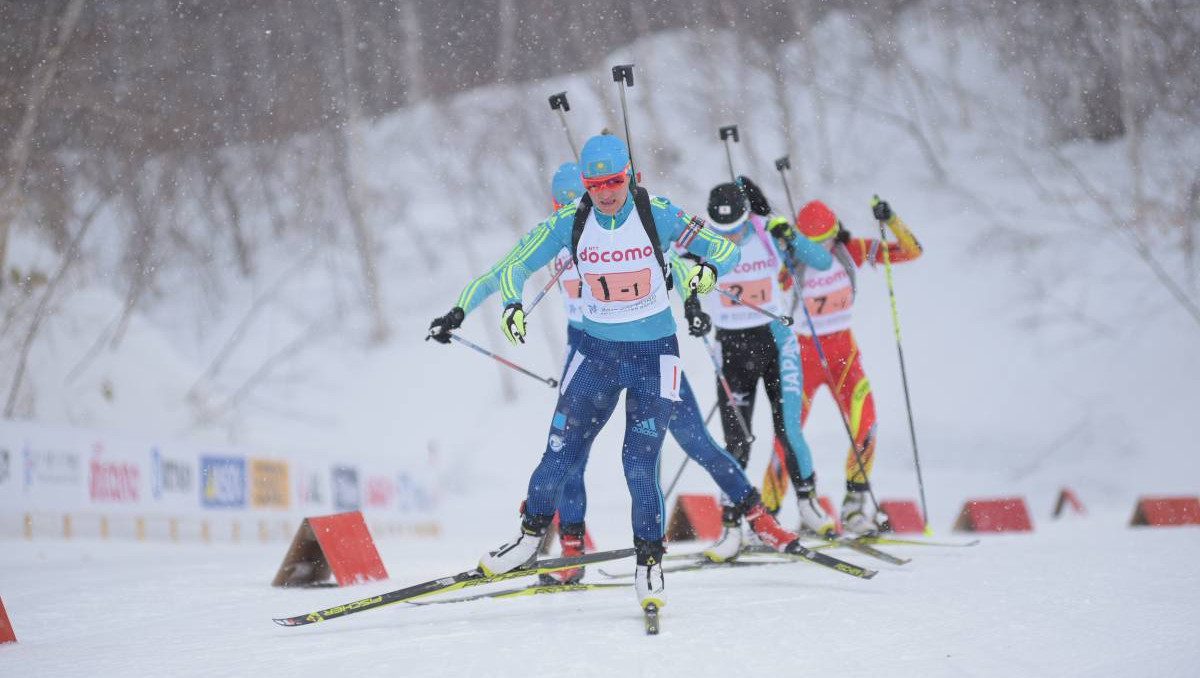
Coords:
pixel 620 286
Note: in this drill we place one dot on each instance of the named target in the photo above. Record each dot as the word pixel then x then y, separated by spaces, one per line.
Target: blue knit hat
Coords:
pixel 602 155
pixel 566 187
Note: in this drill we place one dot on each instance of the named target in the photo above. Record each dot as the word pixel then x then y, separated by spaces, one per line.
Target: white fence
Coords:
pixel 59 482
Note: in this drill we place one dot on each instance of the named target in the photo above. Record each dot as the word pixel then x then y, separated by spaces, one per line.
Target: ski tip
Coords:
pixel 650 610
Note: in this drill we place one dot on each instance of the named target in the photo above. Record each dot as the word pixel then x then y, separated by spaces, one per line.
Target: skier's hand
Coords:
pixel 513 323
pixel 881 210
pixel 758 201
pixel 439 329
pixel 702 278
pixel 699 323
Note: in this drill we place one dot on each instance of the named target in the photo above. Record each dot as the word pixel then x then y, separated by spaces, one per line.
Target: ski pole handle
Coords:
pixel 552 383
pixel 559 103
pixel 785 319
pixel 782 164
pixel 727 132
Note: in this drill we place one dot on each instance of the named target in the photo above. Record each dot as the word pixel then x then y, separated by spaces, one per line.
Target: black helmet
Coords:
pixel 727 207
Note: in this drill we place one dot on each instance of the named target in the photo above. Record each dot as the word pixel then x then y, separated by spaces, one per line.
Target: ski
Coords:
pixel 650 611
pixel 699 562
pixel 865 548
pixel 473 577
pixel 826 560
pixel 881 539
pixel 531 590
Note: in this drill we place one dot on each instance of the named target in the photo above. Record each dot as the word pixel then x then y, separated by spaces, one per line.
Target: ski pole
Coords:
pixel 785 319
pixel 553 279
pixel 912 431
pixel 558 102
pixel 726 133
pixel 737 412
pixel 552 383
pixel 783 164
pixel 686 459
pixel 623 76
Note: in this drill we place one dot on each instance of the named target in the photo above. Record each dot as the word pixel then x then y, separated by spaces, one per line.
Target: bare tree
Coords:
pixel 16 156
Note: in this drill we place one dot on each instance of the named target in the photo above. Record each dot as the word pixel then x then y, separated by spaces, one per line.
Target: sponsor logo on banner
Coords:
pixel 310 488
pixel 169 476
pixel 112 481
pixel 5 464
pixel 223 482
pixel 269 483
pixel 380 492
pixel 345 488
pixel 51 467
pixel 412 496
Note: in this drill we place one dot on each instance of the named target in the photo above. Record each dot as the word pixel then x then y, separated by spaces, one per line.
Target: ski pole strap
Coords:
pixel 552 383
pixel 785 319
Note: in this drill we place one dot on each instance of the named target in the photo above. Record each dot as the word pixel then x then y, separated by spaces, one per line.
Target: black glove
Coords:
pixel 781 229
pixel 758 201
pixel 439 329
pixel 881 210
pixel 698 321
pixel 843 234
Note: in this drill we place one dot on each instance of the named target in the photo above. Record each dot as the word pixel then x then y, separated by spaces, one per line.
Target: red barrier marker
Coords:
pixel 7 634
pixel 696 516
pixel 1067 498
pixel 903 515
pixel 339 545
pixel 1160 511
pixel 994 515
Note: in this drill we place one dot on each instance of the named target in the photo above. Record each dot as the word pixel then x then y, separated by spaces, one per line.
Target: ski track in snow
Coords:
pixel 1082 597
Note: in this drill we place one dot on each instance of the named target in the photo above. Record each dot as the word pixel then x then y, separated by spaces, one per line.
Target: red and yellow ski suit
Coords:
pixel 829 297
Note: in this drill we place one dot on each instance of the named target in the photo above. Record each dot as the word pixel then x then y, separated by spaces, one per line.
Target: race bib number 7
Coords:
pixel 620 286
pixel 838 300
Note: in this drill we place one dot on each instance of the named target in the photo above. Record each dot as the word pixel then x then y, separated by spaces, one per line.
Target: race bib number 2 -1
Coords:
pixel 753 291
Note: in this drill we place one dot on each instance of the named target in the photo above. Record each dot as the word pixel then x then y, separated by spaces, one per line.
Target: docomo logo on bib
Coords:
pixel 596 255
pixel 822 281
pixel 754 266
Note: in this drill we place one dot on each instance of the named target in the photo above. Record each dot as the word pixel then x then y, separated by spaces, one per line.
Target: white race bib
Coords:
pixel 570 286
pixel 829 298
pixel 755 279
pixel 621 280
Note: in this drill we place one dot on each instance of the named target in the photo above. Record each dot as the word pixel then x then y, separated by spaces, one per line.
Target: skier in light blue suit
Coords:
pixel 686 425
pixel 617 235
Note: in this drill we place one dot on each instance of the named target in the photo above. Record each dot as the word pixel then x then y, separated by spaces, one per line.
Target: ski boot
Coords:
pixel 648 578
pixel 571 539
pixel 764 525
pixel 727 547
pixel 520 551
pixel 813 519
pixel 854 513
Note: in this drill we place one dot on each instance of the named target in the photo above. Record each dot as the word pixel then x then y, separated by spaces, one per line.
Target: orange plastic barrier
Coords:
pixel 7 634
pixel 994 515
pixel 339 545
pixel 903 515
pixel 696 516
pixel 1160 511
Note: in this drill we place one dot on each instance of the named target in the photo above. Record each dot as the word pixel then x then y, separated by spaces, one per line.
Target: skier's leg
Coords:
pixel 853 395
pixel 785 388
pixel 588 395
pixel 741 367
pixel 775 480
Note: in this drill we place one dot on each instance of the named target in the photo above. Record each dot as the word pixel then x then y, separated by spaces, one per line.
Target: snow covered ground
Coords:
pixel 1041 354
pixel 1085 597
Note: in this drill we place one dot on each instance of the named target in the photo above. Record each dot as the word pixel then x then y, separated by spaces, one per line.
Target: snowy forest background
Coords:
pixel 268 187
